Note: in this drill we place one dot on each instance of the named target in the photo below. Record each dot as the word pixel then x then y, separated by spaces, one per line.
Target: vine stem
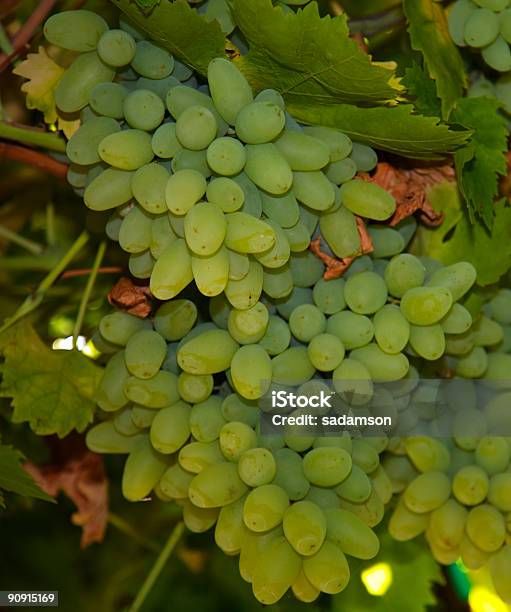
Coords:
pixel 24 35
pixel 35 299
pixel 33 158
pixel 30 136
pixel 88 290
pixel 157 567
pixel 29 245
pixel 122 525
pixel 86 271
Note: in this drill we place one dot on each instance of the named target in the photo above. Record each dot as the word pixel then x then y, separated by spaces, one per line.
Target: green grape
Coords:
pixel 164 141
pixel 229 89
pixel 107 99
pixel 196 456
pixel 326 466
pixel 324 498
pixel 365 292
pixel 142 471
pixel 447 524
pixel 248 326
pixel 75 86
pixel 306 321
pixel 196 127
pixel 181 97
pixel 500 307
pixel 219 309
pixel 367 200
pixel 277 336
pixel 303 152
pixel 110 395
pixel 326 352
pixel 126 150
pixel 198 520
pixel 176 481
pixel 216 485
pixel 207 353
pixel 211 273
pixel 386 241
pixel 144 354
pixel 116 48
pixel 152 61
pixel 306 269
pixel 239 265
pixel 298 296
pixel 118 327
pixel 473 364
pixel 310 218
pixel 143 110
pixel 473 558
pixel 497 373
pixel 498 55
pixel 271 95
pixel 487 332
pixel 105 439
pixel 283 209
pixel 364 157
pixel 184 189
pixel 160 87
pixel 252 205
pixel 172 272
pixel 220 11
pixel 290 475
pixel 206 419
pixel 426 305
pixel 457 278
pixel 499 493
pixel 259 122
pixel 142 417
pixel 205 228
pixel 313 189
pixel 354 330
pixel 500 568
pixel 251 371
pixel 82 147
pixel 459 344
pixel 195 388
pixel 404 524
pixel 328 569
pixel 230 528
pixel 265 507
pixel 275 571
pixel 292 367
pixel 277 255
pixel 404 272
pixel 170 428
pixel 237 408
pixel 457 321
pixel 341 171
pixel 135 233
pixel 351 534
pixel 156 392
pixel 365 456
pixel 427 454
pixel 457 17
pixel 245 293
pixel 481 28
pixel 226 156
pixel 77 30
pixel 226 194
pixel 505 32
pixel 492 454
pixel 391 329
pixel 303 590
pixel 353 382
pixel 257 467
pixel 328 295
pixel 339 144
pixel 304 526
pixel 356 487
pixel 124 424
pixel 427 492
pixel 148 185
pixel 174 319
pixel 277 282
pixel 486 527
pixel 76 176
pixel 268 169
pixel 428 341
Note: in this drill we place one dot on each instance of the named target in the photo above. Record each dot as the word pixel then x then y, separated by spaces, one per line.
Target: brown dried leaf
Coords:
pixel 82 478
pixel 134 299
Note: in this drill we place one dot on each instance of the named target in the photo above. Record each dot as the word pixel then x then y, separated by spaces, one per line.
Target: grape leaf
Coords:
pixel 411 563
pixel 147 5
pixel 429 35
pixel 479 164
pixel 396 128
pixel 308 58
pixel 14 478
pixel 457 239
pixel 423 89
pixel 52 390
pixel 180 30
pixel 43 75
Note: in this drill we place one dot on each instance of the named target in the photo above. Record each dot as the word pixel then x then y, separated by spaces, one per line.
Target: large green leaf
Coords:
pixel 181 30
pixel 458 240
pixel 429 34
pixel 396 128
pixel 307 58
pixel 52 390
pixel 423 89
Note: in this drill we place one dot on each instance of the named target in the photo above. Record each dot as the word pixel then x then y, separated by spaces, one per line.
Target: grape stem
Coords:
pixel 32 136
pixel 29 245
pixel 157 567
pixel 86 271
pixel 5 42
pixel 122 525
pixel 33 158
pixel 24 35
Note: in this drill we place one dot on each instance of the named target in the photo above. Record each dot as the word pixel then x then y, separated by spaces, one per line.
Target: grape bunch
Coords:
pixel 484 25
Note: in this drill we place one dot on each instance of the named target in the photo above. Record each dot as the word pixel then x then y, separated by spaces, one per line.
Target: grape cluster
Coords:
pixel 484 25
pixel 458 490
